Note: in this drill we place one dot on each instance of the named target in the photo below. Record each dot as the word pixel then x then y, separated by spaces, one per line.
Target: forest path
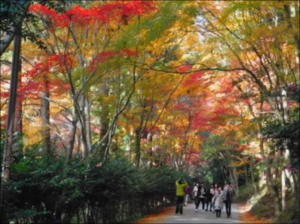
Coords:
pixel 190 216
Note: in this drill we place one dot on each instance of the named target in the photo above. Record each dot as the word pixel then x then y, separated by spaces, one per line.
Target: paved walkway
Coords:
pixel 190 216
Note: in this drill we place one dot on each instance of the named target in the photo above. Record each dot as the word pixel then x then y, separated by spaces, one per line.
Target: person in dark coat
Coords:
pixel 227 195
pixel 202 195
pixel 209 196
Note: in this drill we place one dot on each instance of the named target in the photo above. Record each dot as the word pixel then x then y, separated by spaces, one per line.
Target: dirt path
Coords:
pixel 190 216
pixel 240 214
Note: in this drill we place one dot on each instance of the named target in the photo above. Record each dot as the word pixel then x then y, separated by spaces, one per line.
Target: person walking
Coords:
pixel 195 196
pixel 209 196
pixel 227 194
pixel 187 194
pixel 219 201
pixel 202 194
pixel 180 185
pixel 214 197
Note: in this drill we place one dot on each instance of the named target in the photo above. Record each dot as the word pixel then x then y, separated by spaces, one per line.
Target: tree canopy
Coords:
pixel 134 94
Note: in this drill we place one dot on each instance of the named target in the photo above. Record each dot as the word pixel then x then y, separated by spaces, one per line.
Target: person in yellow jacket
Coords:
pixel 180 185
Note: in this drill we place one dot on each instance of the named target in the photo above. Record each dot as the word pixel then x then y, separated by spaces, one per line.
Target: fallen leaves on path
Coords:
pixel 248 217
pixel 157 216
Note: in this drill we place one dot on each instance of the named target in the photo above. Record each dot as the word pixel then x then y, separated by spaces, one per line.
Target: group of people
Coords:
pixel 211 199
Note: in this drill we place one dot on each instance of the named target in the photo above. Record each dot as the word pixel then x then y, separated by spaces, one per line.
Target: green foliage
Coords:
pixel 159 181
pixel 30 187
pixel 289 213
pixel 167 17
pixel 14 11
pixel 245 193
pixel 42 186
pixel 12 6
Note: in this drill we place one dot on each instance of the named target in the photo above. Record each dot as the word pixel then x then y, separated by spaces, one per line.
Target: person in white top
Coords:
pixel 214 197
pixel 219 201
pixel 195 196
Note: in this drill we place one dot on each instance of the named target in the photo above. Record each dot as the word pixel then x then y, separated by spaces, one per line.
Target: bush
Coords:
pixel 245 193
pixel 46 190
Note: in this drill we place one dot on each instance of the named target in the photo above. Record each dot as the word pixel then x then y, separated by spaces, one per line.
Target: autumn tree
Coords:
pixel 251 42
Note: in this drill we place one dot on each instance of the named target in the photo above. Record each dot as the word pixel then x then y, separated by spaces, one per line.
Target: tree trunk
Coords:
pixel 293 180
pixel 235 181
pixel 271 184
pixel 291 11
pixel 83 139
pixel 9 126
pixel 88 124
pixel 275 193
pixel 45 113
pixel 149 140
pixel 286 153
pixel 104 119
pixel 137 146
pixel 82 113
pixel 71 141
pixel 103 131
pixel 18 124
pixel 283 188
pixel 163 152
pixel 252 176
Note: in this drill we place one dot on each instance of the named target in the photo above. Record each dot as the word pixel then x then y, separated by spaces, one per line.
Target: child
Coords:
pixel 187 195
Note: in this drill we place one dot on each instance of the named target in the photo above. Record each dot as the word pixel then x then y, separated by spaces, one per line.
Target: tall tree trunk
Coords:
pixel 235 181
pixel 83 139
pixel 71 141
pixel 88 124
pixel 286 153
pixel 104 119
pixel 45 113
pixel 18 124
pixel 80 117
pixel 293 180
pixel 151 148
pixel 252 176
pixel 83 116
pixel 162 156
pixel 266 165
pixel 274 189
pixel 9 126
pixel 291 12
pixel 283 188
pixel 275 193
pixel 137 146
